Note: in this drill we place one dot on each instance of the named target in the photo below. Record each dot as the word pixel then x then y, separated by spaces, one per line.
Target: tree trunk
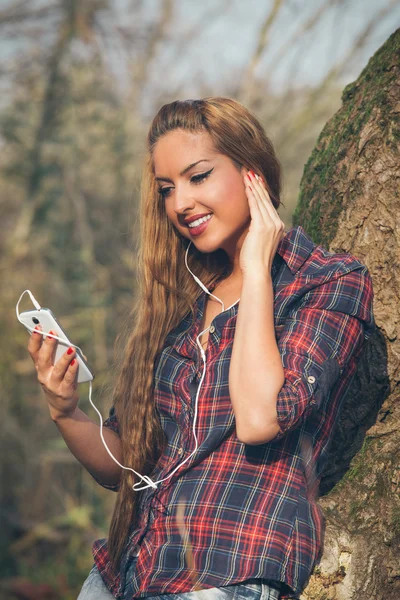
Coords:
pixel 349 202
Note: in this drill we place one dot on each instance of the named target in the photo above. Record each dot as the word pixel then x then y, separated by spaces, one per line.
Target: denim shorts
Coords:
pixel 254 589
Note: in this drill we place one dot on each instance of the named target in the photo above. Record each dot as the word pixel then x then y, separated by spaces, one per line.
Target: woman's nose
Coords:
pixel 183 200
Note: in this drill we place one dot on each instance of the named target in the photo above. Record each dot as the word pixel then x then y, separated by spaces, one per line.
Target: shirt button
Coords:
pixel 311 379
pixel 180 451
pixel 136 550
pixel 212 329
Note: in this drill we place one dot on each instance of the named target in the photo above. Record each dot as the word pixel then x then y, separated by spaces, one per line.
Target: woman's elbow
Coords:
pixel 257 435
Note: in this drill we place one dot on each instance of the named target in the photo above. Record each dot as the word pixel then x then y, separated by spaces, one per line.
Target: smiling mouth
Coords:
pixel 198 229
pixel 199 222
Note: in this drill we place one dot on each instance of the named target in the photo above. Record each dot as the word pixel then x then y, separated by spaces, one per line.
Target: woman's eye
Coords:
pixel 164 191
pixel 195 179
pixel 201 176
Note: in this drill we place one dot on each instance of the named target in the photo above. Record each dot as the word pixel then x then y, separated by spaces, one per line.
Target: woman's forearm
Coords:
pixel 256 373
pixel 82 436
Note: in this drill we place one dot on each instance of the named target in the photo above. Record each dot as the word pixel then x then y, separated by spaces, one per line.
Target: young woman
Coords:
pixel 244 339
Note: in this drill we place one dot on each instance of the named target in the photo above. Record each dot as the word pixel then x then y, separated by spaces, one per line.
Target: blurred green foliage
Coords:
pixel 72 149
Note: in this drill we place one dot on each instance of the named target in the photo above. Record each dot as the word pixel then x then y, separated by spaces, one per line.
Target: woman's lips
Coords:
pixel 198 230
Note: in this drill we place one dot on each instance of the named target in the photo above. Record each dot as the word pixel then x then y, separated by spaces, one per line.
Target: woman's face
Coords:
pixel 212 186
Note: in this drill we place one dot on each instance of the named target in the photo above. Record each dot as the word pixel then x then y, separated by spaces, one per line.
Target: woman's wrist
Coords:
pixel 57 416
pixel 257 277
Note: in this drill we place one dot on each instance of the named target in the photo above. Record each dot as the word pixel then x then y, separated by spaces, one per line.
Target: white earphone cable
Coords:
pixel 144 478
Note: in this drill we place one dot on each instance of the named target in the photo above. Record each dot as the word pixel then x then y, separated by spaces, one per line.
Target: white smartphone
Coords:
pixel 48 322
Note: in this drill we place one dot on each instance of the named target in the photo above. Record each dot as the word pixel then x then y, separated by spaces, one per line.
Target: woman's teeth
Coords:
pixel 199 221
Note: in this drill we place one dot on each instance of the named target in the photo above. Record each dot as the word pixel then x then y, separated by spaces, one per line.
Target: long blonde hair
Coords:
pixel 166 290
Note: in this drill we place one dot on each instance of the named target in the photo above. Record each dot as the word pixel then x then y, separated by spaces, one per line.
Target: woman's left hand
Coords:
pixel 266 229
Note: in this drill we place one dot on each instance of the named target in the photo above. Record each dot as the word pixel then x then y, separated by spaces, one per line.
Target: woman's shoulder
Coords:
pixel 334 281
pixel 320 260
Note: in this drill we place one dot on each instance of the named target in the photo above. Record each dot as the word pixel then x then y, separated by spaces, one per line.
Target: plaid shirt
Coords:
pixel 234 512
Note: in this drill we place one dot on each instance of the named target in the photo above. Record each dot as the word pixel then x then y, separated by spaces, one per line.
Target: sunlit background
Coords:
pixel 79 83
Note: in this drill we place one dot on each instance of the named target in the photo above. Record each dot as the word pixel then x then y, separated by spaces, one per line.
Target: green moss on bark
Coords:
pixel 320 202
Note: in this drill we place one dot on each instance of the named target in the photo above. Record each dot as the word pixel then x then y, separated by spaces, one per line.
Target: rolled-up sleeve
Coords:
pixel 320 337
pixel 112 423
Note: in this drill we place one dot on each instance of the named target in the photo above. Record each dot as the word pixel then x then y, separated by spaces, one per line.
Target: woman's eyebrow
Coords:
pixel 185 170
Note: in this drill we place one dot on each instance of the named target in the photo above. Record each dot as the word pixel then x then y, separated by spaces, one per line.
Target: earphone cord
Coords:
pixel 144 478
pixel 31 329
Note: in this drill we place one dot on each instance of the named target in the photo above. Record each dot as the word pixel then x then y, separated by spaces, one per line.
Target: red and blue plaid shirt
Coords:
pixel 234 512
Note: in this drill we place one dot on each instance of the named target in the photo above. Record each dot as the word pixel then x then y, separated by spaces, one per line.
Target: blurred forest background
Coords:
pixel 79 83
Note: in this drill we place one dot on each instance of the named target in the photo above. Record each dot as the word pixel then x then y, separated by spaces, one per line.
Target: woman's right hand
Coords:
pixel 58 381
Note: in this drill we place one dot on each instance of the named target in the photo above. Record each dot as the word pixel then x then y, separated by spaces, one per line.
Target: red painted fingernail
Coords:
pixel 252 174
pixel 248 177
pixel 36 330
pixel 72 362
pixel 70 350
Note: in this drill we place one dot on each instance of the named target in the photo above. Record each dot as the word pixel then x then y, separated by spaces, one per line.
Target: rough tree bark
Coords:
pixel 349 202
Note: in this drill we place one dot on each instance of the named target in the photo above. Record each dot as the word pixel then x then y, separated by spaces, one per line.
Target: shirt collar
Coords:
pixel 295 247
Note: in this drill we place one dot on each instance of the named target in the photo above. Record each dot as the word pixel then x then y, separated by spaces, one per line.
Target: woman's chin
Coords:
pixel 206 245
